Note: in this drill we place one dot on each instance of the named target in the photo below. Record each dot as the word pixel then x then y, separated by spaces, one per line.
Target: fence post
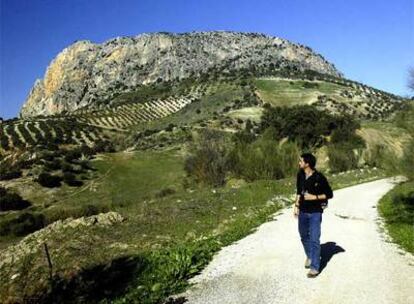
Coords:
pixel 49 261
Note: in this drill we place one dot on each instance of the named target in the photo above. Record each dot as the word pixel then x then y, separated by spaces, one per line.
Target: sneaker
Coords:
pixel 307 263
pixel 312 273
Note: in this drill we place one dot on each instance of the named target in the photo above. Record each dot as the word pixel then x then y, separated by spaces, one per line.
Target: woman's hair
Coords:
pixel 309 159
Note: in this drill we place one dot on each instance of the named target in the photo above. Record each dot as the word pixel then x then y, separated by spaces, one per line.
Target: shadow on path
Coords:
pixel 328 249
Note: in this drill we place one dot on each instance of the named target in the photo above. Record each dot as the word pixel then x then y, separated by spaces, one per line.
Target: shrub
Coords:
pixel 302 123
pixel 22 224
pixel 67 167
pixel 264 158
pixel 403 208
pixel 243 137
pixel 342 157
pixel 382 156
pixel 4 142
pixel 71 155
pixel 55 164
pixel 170 127
pixel 90 210
pixel 354 140
pixel 48 180
pixel 310 85
pixel 85 165
pixel 86 150
pixel 407 162
pixel 47 155
pixel 4 175
pixel 164 192
pixel 52 146
pixel 207 159
pixel 70 179
pixel 309 126
pixel 104 146
pixel 12 201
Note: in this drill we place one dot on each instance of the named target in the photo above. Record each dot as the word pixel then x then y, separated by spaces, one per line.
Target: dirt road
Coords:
pixel 358 264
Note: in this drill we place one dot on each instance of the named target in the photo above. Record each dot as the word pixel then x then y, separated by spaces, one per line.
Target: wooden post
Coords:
pixel 49 261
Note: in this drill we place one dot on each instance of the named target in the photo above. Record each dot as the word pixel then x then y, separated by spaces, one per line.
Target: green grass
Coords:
pixel 389 128
pixel 398 216
pixel 290 92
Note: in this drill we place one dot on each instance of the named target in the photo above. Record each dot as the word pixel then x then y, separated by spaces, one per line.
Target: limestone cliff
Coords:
pixel 85 72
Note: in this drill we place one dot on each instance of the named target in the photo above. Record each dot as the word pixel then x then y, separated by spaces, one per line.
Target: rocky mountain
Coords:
pixel 85 72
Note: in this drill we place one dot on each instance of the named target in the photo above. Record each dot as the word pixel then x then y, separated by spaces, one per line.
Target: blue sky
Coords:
pixel 369 41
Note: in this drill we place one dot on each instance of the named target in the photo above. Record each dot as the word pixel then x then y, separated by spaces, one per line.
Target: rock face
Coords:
pixel 86 72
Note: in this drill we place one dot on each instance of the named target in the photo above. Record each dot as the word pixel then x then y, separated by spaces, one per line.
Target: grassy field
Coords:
pixel 280 92
pixel 399 213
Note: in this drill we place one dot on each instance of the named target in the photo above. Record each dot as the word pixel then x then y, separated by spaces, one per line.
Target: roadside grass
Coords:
pixel 397 209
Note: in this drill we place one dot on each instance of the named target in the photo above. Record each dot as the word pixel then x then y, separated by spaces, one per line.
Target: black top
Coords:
pixel 314 184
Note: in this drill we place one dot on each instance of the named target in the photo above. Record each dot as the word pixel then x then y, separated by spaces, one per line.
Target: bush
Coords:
pixel 22 224
pixel 90 210
pixel 48 180
pixel 243 137
pixel 55 164
pixel 310 85
pixel 342 157
pixel 67 167
pixel 302 123
pixel 70 179
pixel 382 156
pixel 164 192
pixel 264 158
pixel 309 126
pixel 47 155
pixel 403 208
pixel 407 162
pixel 170 127
pixel 71 155
pixel 4 175
pixel 86 150
pixel 12 201
pixel 104 146
pixel 207 159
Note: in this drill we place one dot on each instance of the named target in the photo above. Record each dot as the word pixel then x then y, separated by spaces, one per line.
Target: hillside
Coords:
pixel 226 103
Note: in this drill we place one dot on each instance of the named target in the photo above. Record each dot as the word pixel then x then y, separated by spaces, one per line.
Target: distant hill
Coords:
pixel 86 73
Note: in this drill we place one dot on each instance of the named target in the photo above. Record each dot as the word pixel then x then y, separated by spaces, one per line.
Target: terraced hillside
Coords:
pixel 23 134
pixel 225 104
pixel 88 126
pixel 334 96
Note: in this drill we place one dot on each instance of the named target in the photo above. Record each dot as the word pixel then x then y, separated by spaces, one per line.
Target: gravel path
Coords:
pixel 359 264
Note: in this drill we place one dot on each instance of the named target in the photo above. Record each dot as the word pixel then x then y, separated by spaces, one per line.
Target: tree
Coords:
pixel 411 79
